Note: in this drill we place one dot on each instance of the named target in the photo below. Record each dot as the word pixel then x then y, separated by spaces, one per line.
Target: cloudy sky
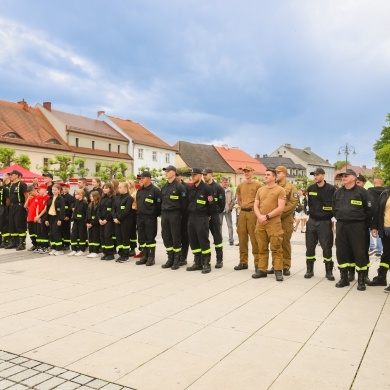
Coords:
pixel 251 73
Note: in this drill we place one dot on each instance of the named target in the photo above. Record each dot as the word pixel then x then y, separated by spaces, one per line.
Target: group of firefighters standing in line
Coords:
pixel 108 218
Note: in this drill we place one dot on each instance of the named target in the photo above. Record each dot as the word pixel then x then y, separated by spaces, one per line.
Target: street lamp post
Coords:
pixel 347 150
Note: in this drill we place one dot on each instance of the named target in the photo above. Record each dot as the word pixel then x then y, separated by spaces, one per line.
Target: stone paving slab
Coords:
pixel 79 323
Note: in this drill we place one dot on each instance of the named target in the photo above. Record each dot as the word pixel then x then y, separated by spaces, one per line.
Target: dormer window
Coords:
pixel 12 135
pixel 53 141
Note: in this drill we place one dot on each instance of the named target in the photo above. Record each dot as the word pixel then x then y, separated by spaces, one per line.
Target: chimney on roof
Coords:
pixel 24 104
pixel 257 155
pixel 47 105
pixel 364 167
pixel 225 146
pixel 287 145
pixel 101 113
pixel 265 155
pixel 307 148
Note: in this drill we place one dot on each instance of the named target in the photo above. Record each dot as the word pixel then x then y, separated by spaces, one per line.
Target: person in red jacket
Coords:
pixel 31 206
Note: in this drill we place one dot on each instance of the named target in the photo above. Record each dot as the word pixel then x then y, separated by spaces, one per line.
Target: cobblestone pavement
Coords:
pixel 18 373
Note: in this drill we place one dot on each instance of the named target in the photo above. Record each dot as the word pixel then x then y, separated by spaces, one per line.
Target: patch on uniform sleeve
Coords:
pixel 369 203
pixel 220 196
pixel 210 198
pixel 158 200
pixel 183 194
pixel 295 195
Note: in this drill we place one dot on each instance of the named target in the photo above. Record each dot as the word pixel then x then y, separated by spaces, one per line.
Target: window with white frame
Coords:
pixel 140 154
pixel 154 156
pixel 167 158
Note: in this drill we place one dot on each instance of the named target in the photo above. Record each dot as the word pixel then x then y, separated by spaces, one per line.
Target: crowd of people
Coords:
pixel 116 218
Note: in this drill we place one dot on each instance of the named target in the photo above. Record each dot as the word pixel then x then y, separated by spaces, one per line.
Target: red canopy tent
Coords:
pixel 27 176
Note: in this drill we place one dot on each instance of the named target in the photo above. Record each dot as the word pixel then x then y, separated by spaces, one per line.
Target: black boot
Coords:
pixel 206 263
pixel 270 271
pixel 279 276
pixel 219 254
pixel 176 260
pixel 20 244
pixel 151 257
pixel 343 282
pixel 329 270
pixel 184 254
pixel 144 258
pixel 11 243
pixel 361 286
pixel 351 274
pixel 169 262
pixel 366 278
pixel 379 280
pixel 309 269
pixel 197 265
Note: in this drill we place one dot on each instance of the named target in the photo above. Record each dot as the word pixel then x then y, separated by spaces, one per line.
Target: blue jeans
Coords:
pixel 228 217
pixel 378 245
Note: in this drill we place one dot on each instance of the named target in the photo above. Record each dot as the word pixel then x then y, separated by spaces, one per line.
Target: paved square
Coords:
pixel 80 323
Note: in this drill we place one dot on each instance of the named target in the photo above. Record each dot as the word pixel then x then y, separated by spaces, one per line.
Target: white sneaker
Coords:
pixel 58 253
pixel 72 253
pixel 90 255
pixel 52 252
pixel 94 255
pixel 80 253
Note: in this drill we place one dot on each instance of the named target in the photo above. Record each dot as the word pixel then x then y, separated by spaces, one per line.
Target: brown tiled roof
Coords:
pixel 30 125
pixel 99 152
pixel 139 134
pixel 237 159
pixel 81 124
pixel 202 156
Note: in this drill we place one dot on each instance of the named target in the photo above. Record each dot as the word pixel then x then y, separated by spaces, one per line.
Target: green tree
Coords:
pixel 64 167
pixel 158 175
pixel 7 157
pixel 339 164
pixel 302 182
pixel 382 150
pixel 107 171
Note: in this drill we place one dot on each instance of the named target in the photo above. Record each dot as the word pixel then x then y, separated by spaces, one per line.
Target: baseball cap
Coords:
pixel 44 186
pixel 281 168
pixel 170 168
pixel 146 174
pixel 196 171
pixel 246 168
pixel 47 174
pixel 360 177
pixel 318 171
pixel 15 172
pixel 347 172
pixel 207 170
pixel 179 172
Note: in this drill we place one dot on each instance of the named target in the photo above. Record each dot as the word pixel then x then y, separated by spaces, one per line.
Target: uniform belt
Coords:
pixel 12 204
pixel 248 209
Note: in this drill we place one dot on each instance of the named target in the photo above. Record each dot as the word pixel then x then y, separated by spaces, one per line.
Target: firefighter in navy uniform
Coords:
pixel 185 243
pixel 4 228
pixel 3 216
pixel 200 208
pixel 352 209
pixel 148 209
pixel 173 202
pixel 319 225
pixel 17 219
pixel 215 220
pixel 65 226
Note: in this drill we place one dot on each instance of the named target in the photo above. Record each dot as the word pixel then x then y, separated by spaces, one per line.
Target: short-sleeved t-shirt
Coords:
pixel 268 198
pixel 247 191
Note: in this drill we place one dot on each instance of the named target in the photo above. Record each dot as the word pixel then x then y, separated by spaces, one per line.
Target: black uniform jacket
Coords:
pixel 173 197
pixel 92 214
pixel 351 205
pixel 379 215
pixel 219 197
pixel 122 206
pixel 80 210
pixel 104 210
pixel 320 201
pixel 69 204
pixel 201 199
pixel 59 205
pixel 149 201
